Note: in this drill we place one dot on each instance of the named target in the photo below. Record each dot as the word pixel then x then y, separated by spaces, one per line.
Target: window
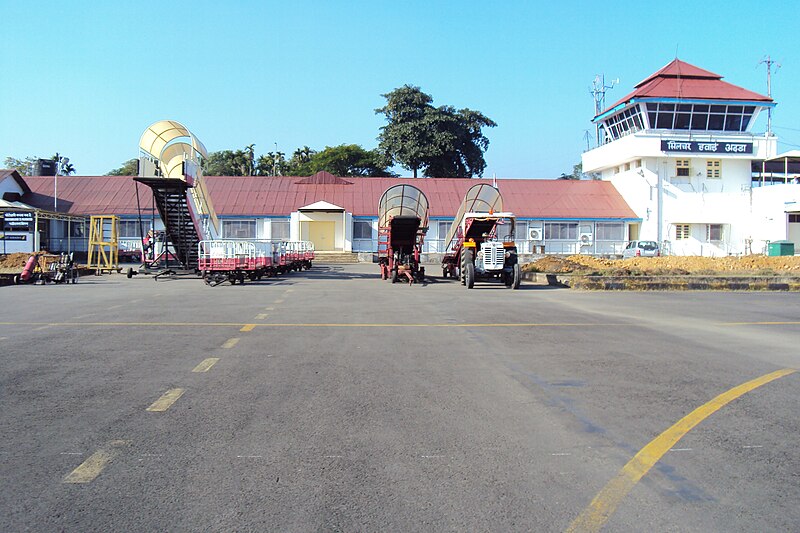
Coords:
pixel 682 167
pixel 624 123
pixel 794 218
pixel 129 229
pixel 238 229
pixel 280 229
pixel 561 230
pixel 362 229
pixel 681 232
pixel 609 231
pixel 444 227
pixel 713 167
pixel 77 229
pixel 521 230
pixel 713 232
pixel 699 117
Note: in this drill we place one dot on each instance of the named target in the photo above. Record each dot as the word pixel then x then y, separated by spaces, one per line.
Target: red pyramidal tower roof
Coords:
pixel 683 81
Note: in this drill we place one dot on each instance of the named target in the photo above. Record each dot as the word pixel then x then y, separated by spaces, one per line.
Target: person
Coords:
pixel 147 245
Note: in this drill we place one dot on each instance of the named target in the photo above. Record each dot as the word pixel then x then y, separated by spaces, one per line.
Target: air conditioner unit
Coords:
pixel 586 239
pixel 535 234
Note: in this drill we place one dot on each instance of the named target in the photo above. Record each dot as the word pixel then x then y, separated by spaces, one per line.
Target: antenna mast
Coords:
pixel 769 62
pixel 598 92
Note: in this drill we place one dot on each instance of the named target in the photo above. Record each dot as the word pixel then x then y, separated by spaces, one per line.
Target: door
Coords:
pixel 794 230
pixel 323 235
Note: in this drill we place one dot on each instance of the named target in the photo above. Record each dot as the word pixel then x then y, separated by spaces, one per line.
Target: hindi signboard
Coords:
pixel 710 147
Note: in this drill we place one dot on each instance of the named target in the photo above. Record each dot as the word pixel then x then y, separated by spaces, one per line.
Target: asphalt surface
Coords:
pixel 351 404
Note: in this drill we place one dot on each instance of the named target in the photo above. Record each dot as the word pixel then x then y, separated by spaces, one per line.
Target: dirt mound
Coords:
pixel 573 263
pixel 14 261
pixel 672 265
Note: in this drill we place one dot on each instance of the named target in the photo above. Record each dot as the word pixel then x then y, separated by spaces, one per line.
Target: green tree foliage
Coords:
pixel 23 166
pixel 128 168
pixel 273 164
pixel 578 174
pixel 27 166
pixel 439 141
pixel 230 162
pixel 343 160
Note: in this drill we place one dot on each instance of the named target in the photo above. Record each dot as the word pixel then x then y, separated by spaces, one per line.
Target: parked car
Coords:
pixel 641 249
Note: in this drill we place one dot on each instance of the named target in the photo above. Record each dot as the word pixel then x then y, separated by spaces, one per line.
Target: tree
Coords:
pixel 63 166
pixel 344 160
pixel 441 141
pixel 578 174
pixel 272 164
pixel 27 166
pixel 128 168
pixel 23 166
pixel 230 163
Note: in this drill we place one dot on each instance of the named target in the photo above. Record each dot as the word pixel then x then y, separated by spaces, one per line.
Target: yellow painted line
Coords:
pixel 94 465
pixel 261 316
pixel 166 400
pixel 269 308
pixel 248 327
pixel 605 503
pixel 323 325
pixel 206 365
pixel 230 343
pixel 278 301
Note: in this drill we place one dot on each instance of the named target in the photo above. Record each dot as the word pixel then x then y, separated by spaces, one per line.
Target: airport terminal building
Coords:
pixel 678 163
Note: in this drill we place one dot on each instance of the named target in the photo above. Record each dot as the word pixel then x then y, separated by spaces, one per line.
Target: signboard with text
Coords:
pixel 696 147
pixel 17 221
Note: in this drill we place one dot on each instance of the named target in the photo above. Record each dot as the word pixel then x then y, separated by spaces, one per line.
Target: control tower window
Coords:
pixel 699 117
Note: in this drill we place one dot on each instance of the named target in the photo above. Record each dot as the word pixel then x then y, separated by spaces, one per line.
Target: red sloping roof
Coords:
pixel 279 196
pixel 681 80
pixel 88 195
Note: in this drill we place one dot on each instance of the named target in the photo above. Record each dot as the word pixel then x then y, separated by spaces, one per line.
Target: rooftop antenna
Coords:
pixel 598 92
pixel 769 62
pixel 587 136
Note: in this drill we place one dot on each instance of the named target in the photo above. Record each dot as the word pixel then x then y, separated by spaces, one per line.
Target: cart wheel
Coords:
pixel 130 272
pixel 421 274
pixel 394 275
pixel 16 279
pixel 444 273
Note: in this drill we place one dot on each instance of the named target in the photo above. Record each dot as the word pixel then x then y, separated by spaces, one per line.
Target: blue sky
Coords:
pixel 86 78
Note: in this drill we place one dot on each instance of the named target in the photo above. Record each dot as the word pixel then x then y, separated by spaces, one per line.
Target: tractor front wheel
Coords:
pixel 467 269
